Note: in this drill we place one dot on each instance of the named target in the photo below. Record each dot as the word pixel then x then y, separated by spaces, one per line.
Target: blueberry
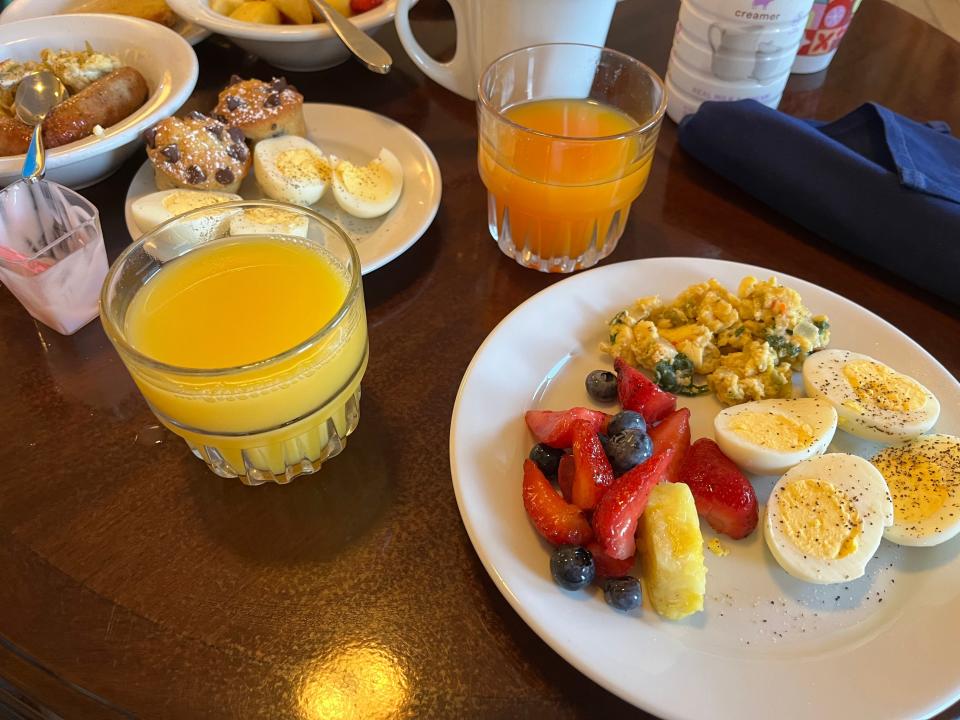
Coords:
pixel 623 593
pixel 547 459
pixel 572 567
pixel 602 386
pixel 626 420
pixel 627 449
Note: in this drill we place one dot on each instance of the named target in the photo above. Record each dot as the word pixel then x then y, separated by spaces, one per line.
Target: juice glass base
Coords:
pixel 281 454
pixel 559 246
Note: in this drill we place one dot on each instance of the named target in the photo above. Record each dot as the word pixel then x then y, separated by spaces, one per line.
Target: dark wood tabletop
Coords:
pixel 134 582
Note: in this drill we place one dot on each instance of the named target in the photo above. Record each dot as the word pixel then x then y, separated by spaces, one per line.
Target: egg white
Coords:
pixel 942 451
pixel 864 486
pixel 755 457
pixel 362 206
pixel 300 189
pixel 150 211
pixel 823 377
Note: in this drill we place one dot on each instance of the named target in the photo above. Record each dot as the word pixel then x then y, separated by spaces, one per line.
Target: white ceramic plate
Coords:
pixel 766 645
pixel 165 60
pixel 355 135
pixel 25 9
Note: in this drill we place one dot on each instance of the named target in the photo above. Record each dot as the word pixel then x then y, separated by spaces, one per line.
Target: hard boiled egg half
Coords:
pixel 269 221
pixel 291 169
pixel 156 208
pixel 872 400
pixel 767 437
pixel 371 190
pixel 924 480
pixel 826 516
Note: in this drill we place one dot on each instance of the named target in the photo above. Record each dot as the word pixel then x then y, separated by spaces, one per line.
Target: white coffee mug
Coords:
pixel 488 29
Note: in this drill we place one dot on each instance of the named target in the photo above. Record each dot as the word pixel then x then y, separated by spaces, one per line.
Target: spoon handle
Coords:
pixel 365 48
pixel 34 162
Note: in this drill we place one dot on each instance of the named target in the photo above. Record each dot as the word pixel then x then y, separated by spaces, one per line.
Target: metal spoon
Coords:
pixel 36 96
pixel 365 48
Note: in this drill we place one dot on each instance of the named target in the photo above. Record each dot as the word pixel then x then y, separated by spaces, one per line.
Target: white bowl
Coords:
pixel 26 9
pixel 166 61
pixel 288 47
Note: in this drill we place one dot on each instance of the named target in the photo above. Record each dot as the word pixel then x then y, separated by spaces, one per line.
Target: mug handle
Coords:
pixel 456 74
pixel 715 45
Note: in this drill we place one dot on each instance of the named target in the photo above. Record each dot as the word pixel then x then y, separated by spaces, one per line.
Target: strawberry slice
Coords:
pixel 565 477
pixel 592 474
pixel 615 519
pixel 639 393
pixel 606 566
pixel 724 497
pixel 555 427
pixel 361 6
pixel 673 432
pixel 557 520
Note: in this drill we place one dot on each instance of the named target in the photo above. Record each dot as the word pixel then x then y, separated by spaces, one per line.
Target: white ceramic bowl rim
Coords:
pixel 162 100
pixel 200 13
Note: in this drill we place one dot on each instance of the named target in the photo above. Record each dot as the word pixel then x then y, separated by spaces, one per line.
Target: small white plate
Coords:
pixel 24 9
pixel 355 135
pixel 766 645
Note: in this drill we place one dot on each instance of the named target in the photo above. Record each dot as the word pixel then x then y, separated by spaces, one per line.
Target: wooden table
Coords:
pixel 133 582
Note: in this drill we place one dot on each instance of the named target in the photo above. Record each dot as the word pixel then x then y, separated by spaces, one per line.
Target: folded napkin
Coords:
pixel 875 183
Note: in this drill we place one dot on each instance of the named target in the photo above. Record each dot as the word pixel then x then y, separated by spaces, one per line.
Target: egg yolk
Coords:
pixel 302 164
pixel 772 430
pixel 271 216
pixel 918 487
pixel 371 182
pixel 877 385
pixel 180 202
pixel 820 520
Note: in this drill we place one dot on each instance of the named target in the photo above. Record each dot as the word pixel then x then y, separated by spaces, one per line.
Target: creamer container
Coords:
pixel 826 26
pixel 733 50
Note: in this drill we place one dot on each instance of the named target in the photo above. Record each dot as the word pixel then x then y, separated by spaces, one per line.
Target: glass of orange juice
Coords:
pixel 567 134
pixel 244 327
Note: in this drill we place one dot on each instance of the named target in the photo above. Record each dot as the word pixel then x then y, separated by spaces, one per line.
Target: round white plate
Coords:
pixel 355 135
pixel 766 645
pixel 24 9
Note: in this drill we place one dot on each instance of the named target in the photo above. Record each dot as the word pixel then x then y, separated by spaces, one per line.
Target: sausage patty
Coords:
pixel 104 102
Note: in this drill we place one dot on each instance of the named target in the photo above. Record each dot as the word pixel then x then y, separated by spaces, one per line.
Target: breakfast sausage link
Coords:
pixel 104 102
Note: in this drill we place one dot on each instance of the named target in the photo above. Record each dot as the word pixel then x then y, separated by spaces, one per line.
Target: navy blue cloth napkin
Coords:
pixel 873 182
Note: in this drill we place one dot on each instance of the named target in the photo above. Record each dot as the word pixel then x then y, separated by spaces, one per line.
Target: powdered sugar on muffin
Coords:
pixel 261 109
pixel 197 152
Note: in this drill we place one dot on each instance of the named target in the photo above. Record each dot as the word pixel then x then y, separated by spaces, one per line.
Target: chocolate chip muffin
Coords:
pixel 197 152
pixel 261 109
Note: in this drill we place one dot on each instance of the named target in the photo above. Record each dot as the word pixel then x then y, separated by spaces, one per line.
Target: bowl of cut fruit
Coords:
pixel 287 34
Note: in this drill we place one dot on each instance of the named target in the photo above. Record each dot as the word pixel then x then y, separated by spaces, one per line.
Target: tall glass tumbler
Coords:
pixel 567 136
pixel 292 403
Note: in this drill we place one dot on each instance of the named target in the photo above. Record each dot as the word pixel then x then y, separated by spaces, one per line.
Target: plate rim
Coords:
pixel 433 205
pixel 931 706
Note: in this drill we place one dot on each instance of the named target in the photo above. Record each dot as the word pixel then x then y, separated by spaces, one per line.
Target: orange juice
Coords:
pixel 230 308
pixel 566 187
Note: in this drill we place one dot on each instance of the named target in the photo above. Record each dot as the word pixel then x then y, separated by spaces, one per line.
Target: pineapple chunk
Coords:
pixel 297 10
pixel 671 552
pixel 257 11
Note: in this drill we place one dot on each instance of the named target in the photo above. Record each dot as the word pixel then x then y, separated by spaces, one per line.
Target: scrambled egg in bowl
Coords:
pixel 746 344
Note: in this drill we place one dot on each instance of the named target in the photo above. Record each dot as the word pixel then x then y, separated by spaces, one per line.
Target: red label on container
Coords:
pixel 826 26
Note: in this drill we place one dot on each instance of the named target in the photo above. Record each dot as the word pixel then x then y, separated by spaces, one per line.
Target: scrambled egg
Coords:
pixel 79 68
pixel 75 68
pixel 747 345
